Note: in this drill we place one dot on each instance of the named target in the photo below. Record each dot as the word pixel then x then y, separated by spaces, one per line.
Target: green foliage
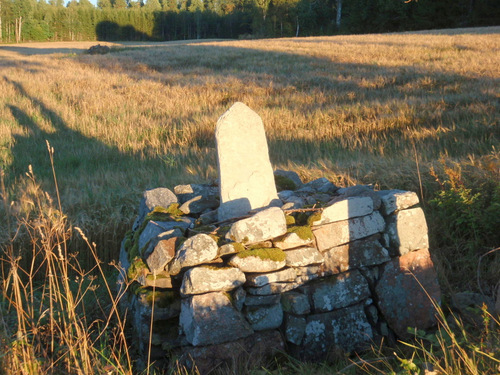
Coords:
pixel 284 183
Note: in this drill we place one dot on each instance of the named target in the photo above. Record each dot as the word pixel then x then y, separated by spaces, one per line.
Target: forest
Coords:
pixel 164 20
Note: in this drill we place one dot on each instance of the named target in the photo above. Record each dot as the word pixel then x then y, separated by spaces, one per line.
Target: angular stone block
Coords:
pixel 264 317
pixel 245 172
pixel 162 253
pixel 353 255
pixel 195 250
pixel 286 274
pixel 255 263
pixel 271 299
pixel 152 198
pixel 338 291
pixel 295 328
pixel 341 232
pixel 292 241
pixel 344 328
pixel 262 226
pixel 252 350
pixel 345 209
pixel 302 257
pixel 273 288
pixel 202 279
pixel 295 303
pixel 393 200
pixel 211 319
pixel 404 301
pixel 407 231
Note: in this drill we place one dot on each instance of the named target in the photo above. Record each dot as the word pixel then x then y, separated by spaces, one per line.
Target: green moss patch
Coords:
pixel 284 183
pixel 314 217
pixel 264 253
pixel 137 267
pixel 160 298
pixel 290 220
pixel 171 213
pixel 304 232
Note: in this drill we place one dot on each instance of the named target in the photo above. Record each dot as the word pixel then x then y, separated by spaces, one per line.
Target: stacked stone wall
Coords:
pixel 307 280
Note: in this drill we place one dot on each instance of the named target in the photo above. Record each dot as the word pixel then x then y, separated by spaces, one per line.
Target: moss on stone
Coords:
pixel 264 253
pixel 238 247
pixel 304 232
pixel 136 268
pixel 215 238
pixel 290 220
pixel 284 183
pixel 314 217
pixel 160 298
pixel 159 213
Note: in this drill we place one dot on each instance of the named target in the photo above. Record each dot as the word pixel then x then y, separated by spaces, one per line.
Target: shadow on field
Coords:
pixel 372 92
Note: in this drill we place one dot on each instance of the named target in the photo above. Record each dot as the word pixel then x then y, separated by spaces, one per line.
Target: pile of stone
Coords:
pixel 219 272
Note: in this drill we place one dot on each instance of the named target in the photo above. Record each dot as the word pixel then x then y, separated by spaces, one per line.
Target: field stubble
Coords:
pixel 356 109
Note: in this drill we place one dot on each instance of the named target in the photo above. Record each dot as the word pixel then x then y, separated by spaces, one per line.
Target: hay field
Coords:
pixel 356 109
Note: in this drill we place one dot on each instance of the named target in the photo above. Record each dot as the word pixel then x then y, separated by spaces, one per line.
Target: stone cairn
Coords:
pixel 240 270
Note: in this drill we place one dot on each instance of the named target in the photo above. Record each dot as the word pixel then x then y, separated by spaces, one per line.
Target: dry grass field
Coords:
pixel 417 111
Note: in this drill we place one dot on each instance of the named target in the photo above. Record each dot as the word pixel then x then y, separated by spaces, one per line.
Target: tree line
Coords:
pixel 38 20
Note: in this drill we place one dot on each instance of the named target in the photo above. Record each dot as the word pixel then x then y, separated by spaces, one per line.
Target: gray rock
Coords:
pixel 291 241
pixel 167 305
pixel 271 299
pixel 284 195
pixel 256 264
pixel 239 297
pixel 295 303
pixel 199 204
pixel 407 291
pixel 162 253
pixel 208 217
pixel 161 280
pixel 393 200
pixel 339 291
pixel 290 175
pixel 264 317
pixel 341 232
pixel 346 209
pixel 321 185
pixel 152 198
pixel 407 231
pixel 211 319
pixel 304 256
pixel 228 249
pixel 262 279
pixel 272 288
pixel 293 203
pixel 359 191
pixel 202 279
pixel 245 172
pixel 356 254
pixel 196 250
pixel 295 328
pixel 344 328
pixel 253 351
pixel 156 231
pixel 188 192
pixel 262 226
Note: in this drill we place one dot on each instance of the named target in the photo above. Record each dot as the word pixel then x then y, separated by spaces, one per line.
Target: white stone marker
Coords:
pixel 245 172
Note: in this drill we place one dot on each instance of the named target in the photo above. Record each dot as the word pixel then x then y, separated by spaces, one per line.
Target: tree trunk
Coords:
pixel 298 27
pixel 339 13
pixel 19 25
pixel 1 37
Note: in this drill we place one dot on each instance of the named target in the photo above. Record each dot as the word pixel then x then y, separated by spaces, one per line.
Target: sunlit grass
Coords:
pixel 356 109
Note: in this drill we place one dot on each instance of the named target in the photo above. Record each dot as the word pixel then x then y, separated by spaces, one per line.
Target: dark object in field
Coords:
pixel 98 50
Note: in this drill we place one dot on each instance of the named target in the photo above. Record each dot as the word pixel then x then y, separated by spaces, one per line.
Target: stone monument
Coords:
pixel 245 172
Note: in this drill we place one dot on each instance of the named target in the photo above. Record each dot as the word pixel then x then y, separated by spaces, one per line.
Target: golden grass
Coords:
pixel 356 109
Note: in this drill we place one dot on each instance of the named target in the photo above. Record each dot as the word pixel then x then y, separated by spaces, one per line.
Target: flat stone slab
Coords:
pixel 302 257
pixel 353 255
pixel 407 230
pixel 211 319
pixel 262 226
pixel 404 301
pixel 338 291
pixel 291 241
pixel 345 328
pixel 251 351
pixel 295 303
pixel 195 250
pixel 346 209
pixel 262 279
pixel 341 232
pixel 204 279
pixel 264 317
pixel 295 328
pixel 393 200
pixel 258 264
pixel 245 172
